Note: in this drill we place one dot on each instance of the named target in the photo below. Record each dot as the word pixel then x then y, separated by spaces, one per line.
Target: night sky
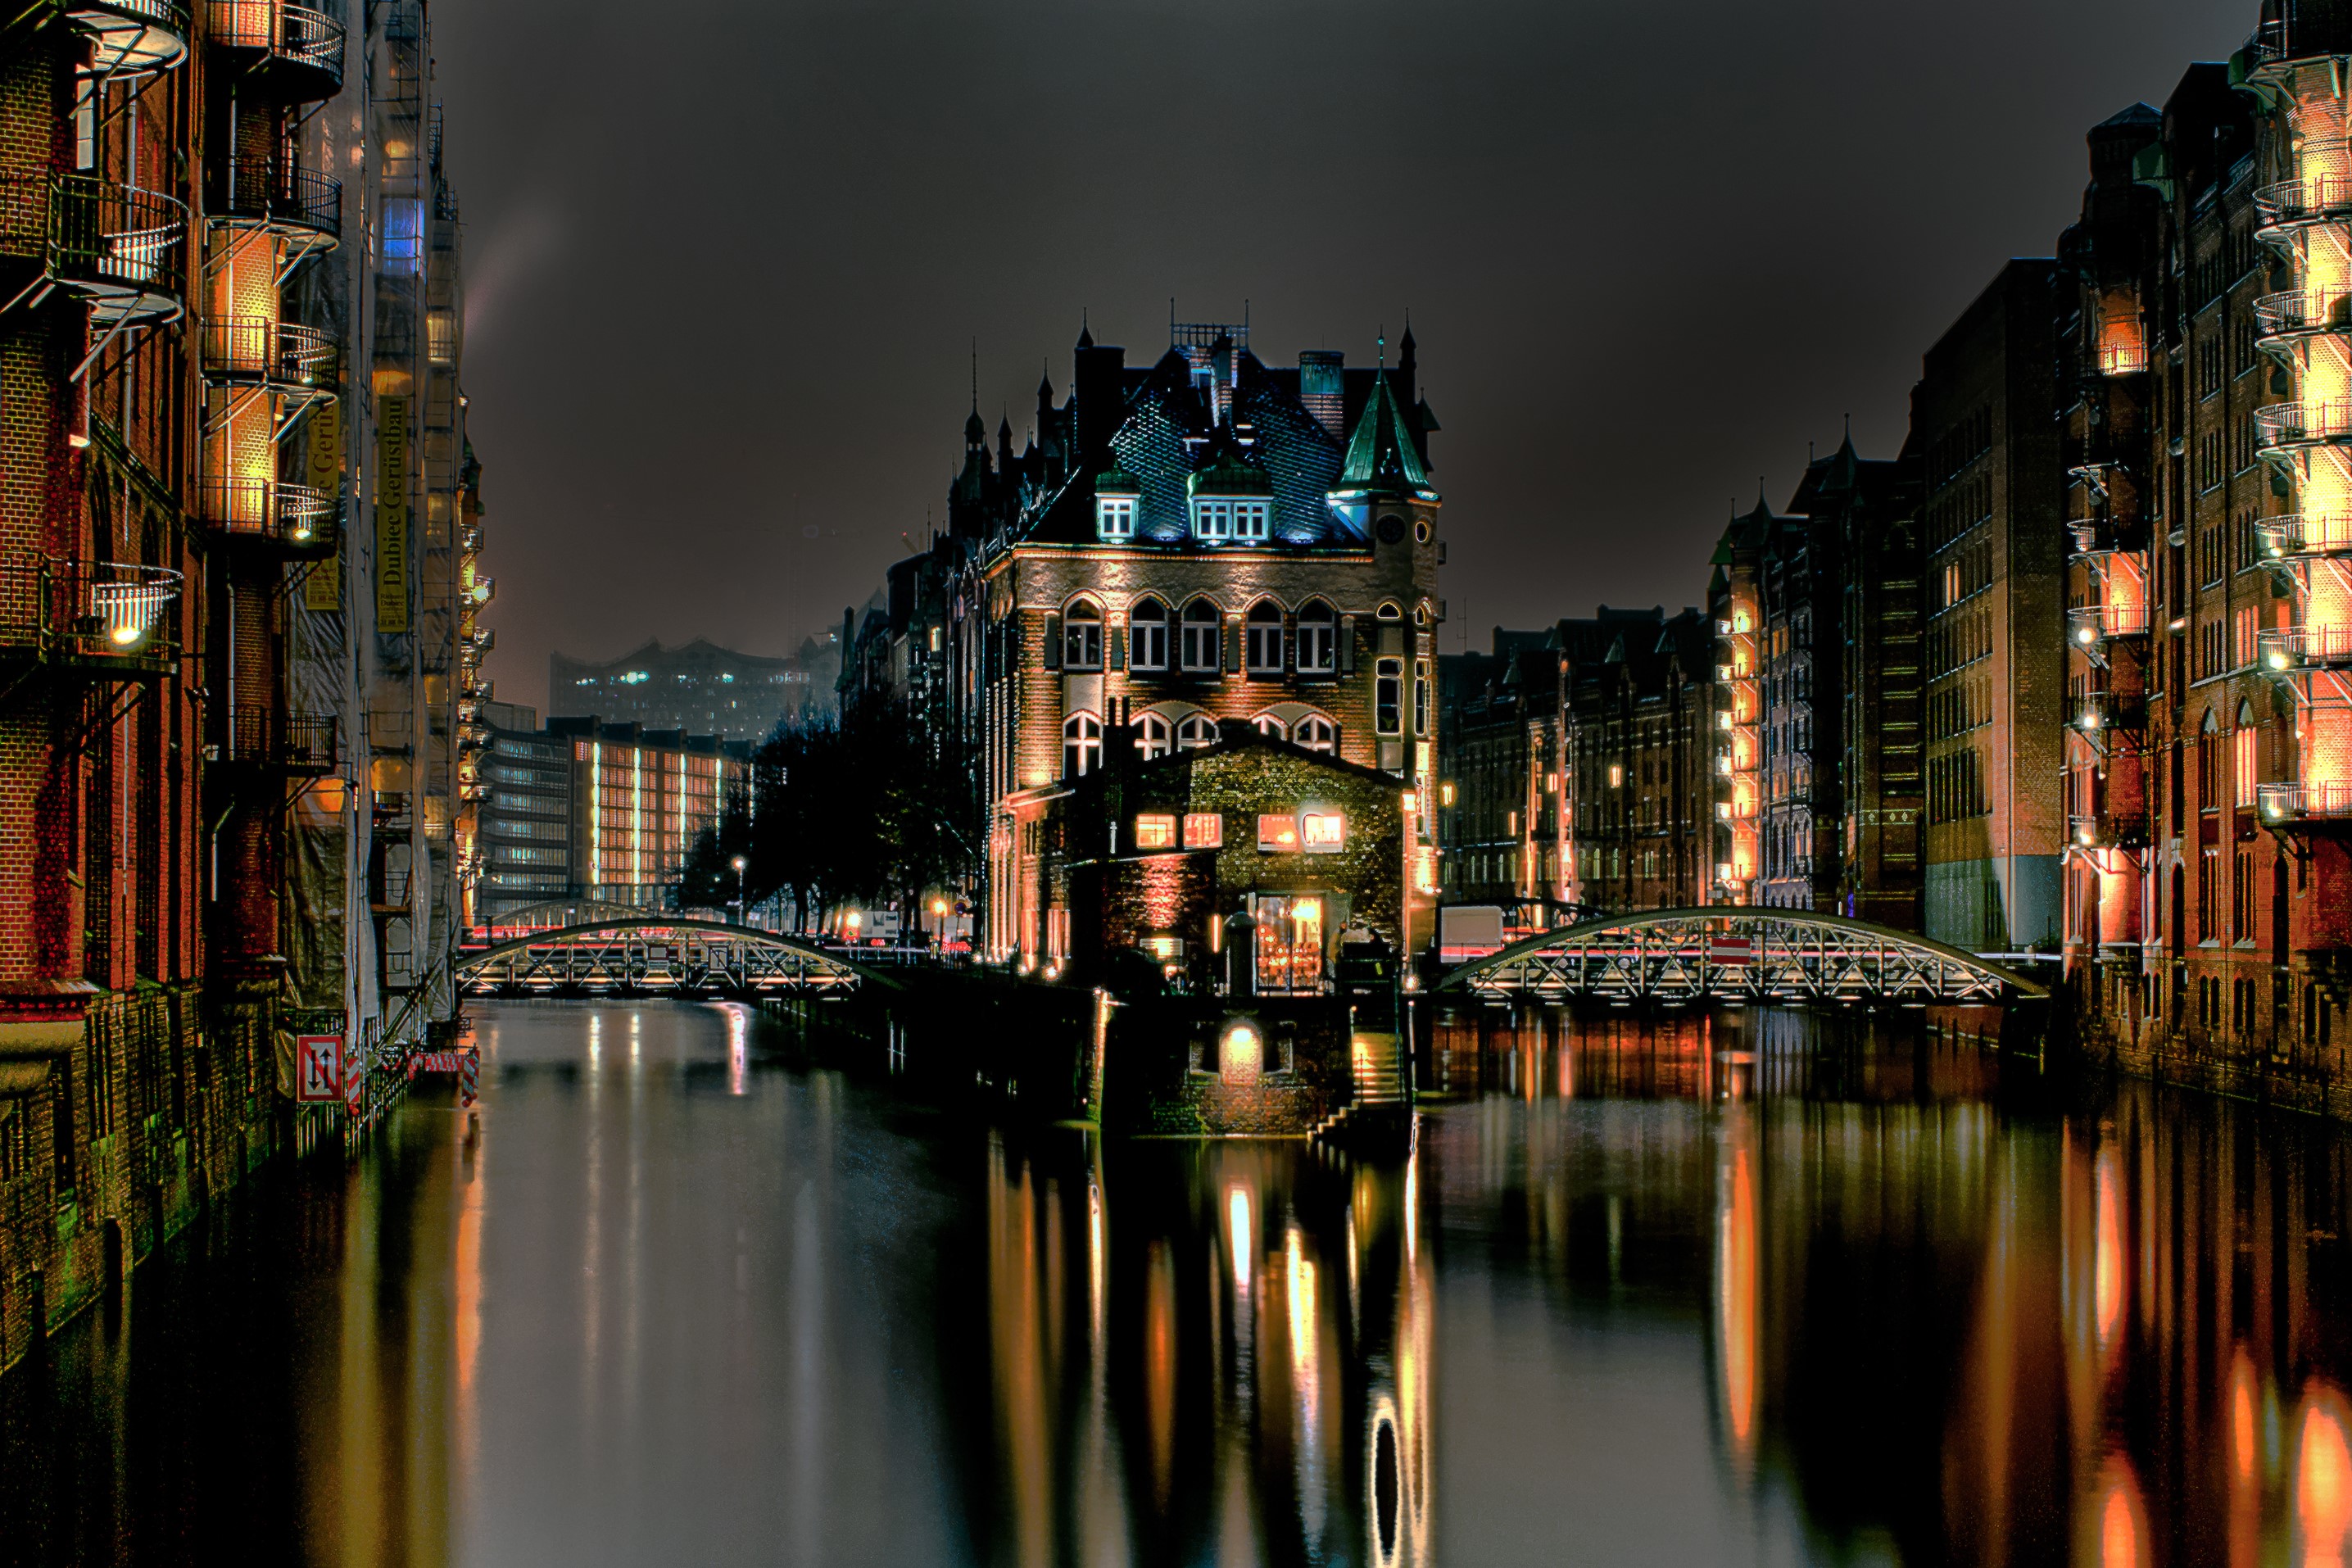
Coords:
pixel 726 258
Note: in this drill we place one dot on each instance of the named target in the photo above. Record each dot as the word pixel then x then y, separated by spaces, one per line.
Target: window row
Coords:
pixel 1154 736
pixel 1193 640
pixel 1312 831
pixel 1221 520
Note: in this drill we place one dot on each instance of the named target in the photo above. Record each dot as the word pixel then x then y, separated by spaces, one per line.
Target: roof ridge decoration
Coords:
pixel 1381 455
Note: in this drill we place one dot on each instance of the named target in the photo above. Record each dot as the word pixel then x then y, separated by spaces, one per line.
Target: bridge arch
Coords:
pixel 1739 953
pixel 647 952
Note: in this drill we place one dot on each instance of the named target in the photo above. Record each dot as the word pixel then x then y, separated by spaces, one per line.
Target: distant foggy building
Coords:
pixel 701 689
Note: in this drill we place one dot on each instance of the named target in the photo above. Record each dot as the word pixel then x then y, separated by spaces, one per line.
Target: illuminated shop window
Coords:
pixel 1323 832
pixel 1155 832
pixel 1204 830
pixel 1278 832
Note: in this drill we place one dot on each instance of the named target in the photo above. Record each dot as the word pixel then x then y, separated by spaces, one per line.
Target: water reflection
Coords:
pixel 1761 1289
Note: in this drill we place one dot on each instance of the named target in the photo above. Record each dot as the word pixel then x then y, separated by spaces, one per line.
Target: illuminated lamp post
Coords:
pixel 742 903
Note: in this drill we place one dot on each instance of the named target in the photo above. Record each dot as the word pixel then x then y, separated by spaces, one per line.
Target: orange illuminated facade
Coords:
pixel 639 800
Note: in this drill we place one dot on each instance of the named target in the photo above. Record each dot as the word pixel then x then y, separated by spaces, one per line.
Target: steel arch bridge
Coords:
pixel 1739 954
pixel 646 954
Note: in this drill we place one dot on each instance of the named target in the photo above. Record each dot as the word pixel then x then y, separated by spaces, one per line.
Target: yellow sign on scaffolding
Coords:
pixel 322 471
pixel 392 516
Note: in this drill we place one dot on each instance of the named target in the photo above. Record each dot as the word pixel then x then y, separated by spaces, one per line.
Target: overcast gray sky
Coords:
pixel 727 258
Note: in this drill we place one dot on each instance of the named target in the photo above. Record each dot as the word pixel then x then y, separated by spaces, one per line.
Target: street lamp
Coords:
pixel 742 904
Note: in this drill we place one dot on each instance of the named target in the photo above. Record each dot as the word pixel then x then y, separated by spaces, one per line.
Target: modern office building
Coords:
pixel 699 687
pixel 639 799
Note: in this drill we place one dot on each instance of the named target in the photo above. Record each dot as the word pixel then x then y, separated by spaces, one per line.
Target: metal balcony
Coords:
pixel 2117 361
pixel 2107 536
pixel 2284 427
pixel 254 350
pixel 117 247
pixel 292 202
pixel 132 38
pixel 2286 804
pixel 294 518
pixel 2109 830
pixel 2302 311
pixel 2098 713
pixel 2305 647
pixel 2304 538
pixel 294 52
pixel 2320 196
pixel 302 745
pixel 107 618
pixel 2089 625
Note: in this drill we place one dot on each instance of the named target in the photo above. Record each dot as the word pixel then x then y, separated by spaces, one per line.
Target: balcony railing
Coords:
pixel 2303 311
pixel 2316 197
pixel 2291 538
pixel 118 247
pixel 2304 424
pixel 2123 358
pixel 2305 647
pixel 132 38
pixel 2097 712
pixel 295 517
pixel 287 742
pixel 256 351
pixel 2105 535
pixel 300 47
pixel 2090 624
pixel 2109 830
pixel 281 197
pixel 2291 801
pixel 101 616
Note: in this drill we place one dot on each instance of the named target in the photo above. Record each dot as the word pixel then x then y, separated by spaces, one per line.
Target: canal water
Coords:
pixel 1768 1288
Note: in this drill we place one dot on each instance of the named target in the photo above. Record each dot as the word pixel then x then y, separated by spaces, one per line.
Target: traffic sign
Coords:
pixel 319 1069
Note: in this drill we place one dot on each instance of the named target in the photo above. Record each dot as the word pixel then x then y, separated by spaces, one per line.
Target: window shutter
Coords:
pixel 1114 646
pixel 1346 644
pixel 1054 641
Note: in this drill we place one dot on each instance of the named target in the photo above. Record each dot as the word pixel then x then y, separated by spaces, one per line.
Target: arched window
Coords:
pixel 1081 745
pixel 1153 736
pixel 1392 612
pixel 1268 724
pixel 1319 639
pixel 1082 639
pixel 1148 631
pixel 1203 628
pixel 1317 734
pixel 1197 731
pixel 2244 767
pixel 1265 642
pixel 2209 776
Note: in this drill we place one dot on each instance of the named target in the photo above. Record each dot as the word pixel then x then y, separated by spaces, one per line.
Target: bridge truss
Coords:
pixel 1743 954
pixel 651 954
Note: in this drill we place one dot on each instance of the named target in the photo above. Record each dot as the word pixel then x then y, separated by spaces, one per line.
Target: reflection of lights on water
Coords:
pixel 738 1049
pixel 1412 1205
pixel 1237 1223
pixel 1095 1260
pixel 2242 1417
pixel 1383 1485
pixel 1301 1272
pixel 2107 1257
pixel 2122 1532
pixel 2323 1480
pixel 1736 1289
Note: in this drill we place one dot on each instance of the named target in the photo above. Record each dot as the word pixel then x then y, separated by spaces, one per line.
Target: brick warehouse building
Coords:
pixel 153 201
pixel 1203 543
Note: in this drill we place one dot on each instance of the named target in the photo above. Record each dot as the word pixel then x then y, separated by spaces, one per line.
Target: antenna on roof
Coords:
pixel 975 375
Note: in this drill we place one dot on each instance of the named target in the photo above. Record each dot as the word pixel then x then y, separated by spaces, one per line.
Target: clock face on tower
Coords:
pixel 1392 528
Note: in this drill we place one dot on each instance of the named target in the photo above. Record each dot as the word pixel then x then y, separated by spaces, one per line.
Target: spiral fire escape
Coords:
pixel 2306 217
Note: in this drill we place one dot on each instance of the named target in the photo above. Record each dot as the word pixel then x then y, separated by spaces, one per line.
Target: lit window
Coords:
pixel 1324 832
pixel 1278 832
pixel 1081 745
pixel 1213 519
pixel 2242 749
pixel 1082 637
pixel 1268 724
pixel 1155 832
pixel 1616 775
pixel 1203 632
pixel 1319 639
pixel 1388 697
pixel 1252 519
pixel 1204 830
pixel 1115 517
pixel 1316 733
pixel 1151 736
pixel 1196 731
pixel 1148 631
pixel 1265 640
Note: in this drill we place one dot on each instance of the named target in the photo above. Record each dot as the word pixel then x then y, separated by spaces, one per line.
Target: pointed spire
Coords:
pixel 1086 330
pixel 1381 454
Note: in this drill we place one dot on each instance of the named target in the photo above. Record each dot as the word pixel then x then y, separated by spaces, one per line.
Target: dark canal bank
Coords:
pixel 1778 1288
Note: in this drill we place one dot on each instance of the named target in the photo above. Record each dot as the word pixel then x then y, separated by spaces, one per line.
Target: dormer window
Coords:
pixel 1115 517
pixel 1221 518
